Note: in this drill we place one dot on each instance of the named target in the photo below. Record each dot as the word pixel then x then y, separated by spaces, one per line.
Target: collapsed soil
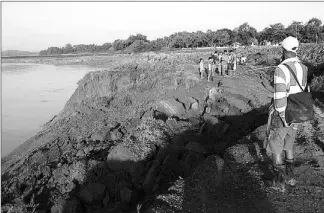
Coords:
pixel 149 136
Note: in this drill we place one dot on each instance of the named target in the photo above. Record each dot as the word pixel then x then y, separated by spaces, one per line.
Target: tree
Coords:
pixel 296 29
pixel 322 34
pixel 133 38
pixel 68 49
pixel 312 30
pixel 106 46
pixel 235 36
pixel 119 44
pixel 246 33
pixel 211 37
pixel 222 37
pixel 277 32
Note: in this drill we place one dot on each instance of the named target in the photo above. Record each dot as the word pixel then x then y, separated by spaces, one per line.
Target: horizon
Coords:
pixel 45 24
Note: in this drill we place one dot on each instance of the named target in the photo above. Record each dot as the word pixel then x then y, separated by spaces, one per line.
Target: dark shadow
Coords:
pixel 314 70
pixel 237 194
pixel 133 185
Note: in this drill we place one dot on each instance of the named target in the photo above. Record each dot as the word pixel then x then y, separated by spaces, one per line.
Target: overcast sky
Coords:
pixel 34 26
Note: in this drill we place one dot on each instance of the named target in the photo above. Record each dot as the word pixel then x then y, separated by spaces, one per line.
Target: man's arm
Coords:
pixel 280 93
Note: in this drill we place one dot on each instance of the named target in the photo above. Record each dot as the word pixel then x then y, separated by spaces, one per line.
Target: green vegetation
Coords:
pixel 11 53
pixel 310 32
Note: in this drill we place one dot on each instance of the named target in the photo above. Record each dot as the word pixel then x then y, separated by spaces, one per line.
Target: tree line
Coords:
pixel 310 32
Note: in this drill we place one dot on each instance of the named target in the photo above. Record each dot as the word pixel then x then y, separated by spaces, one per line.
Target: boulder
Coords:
pixel 260 133
pixel 148 114
pixel 209 119
pixel 80 153
pixel 88 149
pixel 194 106
pixel 92 192
pixel 213 94
pixel 131 124
pixel 100 135
pixel 130 157
pixel 97 136
pixel 171 108
pixel 115 135
pixel 118 157
pixel 215 127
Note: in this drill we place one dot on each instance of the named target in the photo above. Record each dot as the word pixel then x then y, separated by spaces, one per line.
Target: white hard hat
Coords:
pixel 290 44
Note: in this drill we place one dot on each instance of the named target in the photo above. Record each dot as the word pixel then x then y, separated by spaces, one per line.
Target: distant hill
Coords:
pixel 11 53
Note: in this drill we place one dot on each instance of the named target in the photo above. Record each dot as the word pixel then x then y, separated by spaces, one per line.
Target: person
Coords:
pixel 210 68
pixel 218 65
pixel 201 68
pixel 224 63
pixel 233 61
pixel 242 60
pixel 282 134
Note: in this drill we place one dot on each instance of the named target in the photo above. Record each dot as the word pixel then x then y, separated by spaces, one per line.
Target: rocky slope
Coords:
pixel 149 136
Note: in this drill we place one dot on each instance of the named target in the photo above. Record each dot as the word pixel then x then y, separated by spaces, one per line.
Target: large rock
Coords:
pixel 215 127
pixel 64 176
pixel 171 108
pixel 130 157
pixel 209 119
pixel 92 192
pixel 115 135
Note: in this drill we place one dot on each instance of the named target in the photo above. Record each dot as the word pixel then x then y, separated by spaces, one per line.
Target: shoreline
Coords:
pixel 148 125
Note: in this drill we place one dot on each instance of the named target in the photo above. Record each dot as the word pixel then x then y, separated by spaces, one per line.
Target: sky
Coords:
pixel 34 26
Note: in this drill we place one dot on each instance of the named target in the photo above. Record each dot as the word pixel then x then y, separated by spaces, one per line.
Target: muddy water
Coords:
pixel 31 95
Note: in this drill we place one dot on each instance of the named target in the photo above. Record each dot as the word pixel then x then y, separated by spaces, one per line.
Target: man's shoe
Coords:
pixel 290 180
pixel 278 181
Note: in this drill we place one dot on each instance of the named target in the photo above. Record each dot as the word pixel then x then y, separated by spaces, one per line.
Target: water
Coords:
pixel 31 95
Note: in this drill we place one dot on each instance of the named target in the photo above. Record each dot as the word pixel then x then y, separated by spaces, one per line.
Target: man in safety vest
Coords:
pixel 282 134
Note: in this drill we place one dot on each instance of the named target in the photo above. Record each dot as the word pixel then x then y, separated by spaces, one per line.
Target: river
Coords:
pixel 31 95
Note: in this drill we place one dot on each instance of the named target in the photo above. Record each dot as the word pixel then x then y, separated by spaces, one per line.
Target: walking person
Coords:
pixel 290 79
pixel 201 68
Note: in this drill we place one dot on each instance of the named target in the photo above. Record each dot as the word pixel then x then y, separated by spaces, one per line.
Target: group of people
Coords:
pixel 291 105
pixel 223 63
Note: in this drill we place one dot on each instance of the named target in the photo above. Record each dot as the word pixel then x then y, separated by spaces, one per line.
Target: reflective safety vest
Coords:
pixel 285 84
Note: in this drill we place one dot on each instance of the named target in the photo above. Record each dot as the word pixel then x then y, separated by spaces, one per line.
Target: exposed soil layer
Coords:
pixel 149 136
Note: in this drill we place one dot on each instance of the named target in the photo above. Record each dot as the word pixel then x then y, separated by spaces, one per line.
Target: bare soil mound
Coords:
pixel 149 136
